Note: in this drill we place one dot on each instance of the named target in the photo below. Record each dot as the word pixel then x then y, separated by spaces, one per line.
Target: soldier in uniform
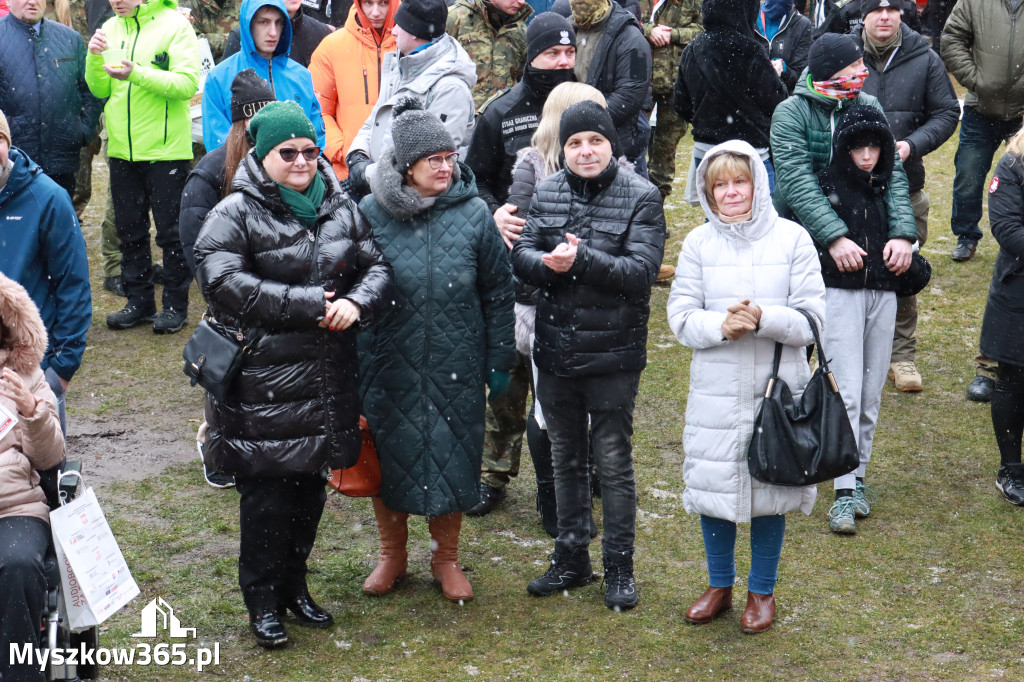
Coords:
pixel 213 20
pixel 493 32
pixel 669 26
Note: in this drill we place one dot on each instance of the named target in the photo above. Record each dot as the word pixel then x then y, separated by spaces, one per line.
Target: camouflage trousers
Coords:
pixel 110 245
pixel 664 141
pixel 506 424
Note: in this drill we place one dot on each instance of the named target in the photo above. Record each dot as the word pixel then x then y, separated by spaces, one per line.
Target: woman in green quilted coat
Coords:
pixel 449 335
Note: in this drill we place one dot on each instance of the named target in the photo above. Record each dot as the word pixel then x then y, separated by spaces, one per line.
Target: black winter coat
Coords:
pixel 727 87
pixel 505 126
pixel 202 192
pixel 294 407
pixel 426 363
pixel 858 198
pixel 592 319
pixel 918 99
pixel 792 44
pixel 845 16
pixel 307 33
pixel 43 94
pixel 621 70
pixel 1002 330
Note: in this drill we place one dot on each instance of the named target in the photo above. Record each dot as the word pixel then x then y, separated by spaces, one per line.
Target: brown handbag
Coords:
pixel 363 478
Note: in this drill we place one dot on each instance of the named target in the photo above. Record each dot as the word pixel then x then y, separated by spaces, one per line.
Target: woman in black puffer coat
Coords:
pixel 288 265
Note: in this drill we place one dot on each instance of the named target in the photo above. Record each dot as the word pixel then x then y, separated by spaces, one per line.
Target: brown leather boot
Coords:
pixel 710 604
pixel 759 614
pixel 391 566
pixel 444 559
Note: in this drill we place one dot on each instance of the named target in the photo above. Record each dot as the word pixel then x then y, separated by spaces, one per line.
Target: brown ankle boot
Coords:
pixel 444 560
pixel 391 566
pixel 759 614
pixel 710 604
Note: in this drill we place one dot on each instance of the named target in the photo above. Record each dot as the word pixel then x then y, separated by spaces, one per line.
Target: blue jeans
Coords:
pixel 766 534
pixel 980 137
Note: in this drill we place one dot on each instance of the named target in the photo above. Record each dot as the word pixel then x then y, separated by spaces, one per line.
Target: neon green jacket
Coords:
pixel 148 114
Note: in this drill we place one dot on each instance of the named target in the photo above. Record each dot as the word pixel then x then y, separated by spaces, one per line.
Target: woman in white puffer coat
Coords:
pixel 740 278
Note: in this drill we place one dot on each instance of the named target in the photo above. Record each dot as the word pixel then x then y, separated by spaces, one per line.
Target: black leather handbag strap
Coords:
pixel 822 360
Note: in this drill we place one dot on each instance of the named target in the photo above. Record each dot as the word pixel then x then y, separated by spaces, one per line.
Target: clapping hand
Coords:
pixel 563 256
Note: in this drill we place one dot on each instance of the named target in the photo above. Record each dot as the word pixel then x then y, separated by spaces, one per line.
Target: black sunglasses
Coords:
pixel 309 154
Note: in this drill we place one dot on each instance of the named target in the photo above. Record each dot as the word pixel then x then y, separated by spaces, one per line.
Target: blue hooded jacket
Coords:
pixel 42 248
pixel 289 79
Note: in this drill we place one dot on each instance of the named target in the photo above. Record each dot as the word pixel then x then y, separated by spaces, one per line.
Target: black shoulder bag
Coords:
pixel 807 442
pixel 212 359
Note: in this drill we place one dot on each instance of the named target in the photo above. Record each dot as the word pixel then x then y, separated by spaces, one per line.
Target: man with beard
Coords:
pixel 507 122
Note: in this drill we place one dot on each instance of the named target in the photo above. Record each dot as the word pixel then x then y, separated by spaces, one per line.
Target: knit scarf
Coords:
pixel 880 51
pixel 847 87
pixel 588 13
pixel 742 218
pixel 305 205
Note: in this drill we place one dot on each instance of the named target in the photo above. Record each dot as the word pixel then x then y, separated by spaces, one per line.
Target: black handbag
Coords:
pixel 807 442
pixel 212 359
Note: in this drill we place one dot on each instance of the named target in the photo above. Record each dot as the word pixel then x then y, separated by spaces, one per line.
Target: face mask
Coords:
pixel 841 88
pixel 543 81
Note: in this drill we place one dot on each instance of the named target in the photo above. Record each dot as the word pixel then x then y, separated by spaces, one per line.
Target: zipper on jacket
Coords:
pixel 366 87
pixel 378 72
pixel 138 30
pixel 167 112
pixel 1009 62
pixel 270 74
pixel 426 340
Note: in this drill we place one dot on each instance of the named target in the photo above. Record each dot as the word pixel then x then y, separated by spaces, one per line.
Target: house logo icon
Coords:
pixel 159 613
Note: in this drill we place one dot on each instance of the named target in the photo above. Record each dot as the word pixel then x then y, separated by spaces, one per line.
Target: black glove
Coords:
pixel 357 163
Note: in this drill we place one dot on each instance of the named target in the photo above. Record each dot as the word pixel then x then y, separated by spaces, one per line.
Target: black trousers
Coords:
pixel 66 181
pixel 24 541
pixel 1008 412
pixel 278 520
pixel 138 187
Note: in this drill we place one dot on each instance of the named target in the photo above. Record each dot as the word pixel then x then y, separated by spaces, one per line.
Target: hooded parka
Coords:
pixel 346 65
pixel 147 116
pixel 289 80
pixel 451 321
pixel 772 262
pixel 1003 326
pixel 35 442
pixel 294 406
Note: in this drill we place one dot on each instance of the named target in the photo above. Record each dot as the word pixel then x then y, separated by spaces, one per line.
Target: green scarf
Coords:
pixel 880 52
pixel 305 205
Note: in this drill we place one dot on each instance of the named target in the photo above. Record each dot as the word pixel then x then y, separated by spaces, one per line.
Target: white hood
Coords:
pixel 764 214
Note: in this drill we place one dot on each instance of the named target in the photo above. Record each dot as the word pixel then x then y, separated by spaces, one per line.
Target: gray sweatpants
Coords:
pixel 859 325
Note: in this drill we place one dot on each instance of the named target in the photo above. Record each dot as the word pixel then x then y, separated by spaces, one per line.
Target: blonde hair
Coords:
pixel 546 139
pixel 1015 145
pixel 62 8
pixel 725 163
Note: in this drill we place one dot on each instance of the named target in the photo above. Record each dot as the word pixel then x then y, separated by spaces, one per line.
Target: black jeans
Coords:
pixel 608 400
pixel 1008 412
pixel 138 187
pixel 66 181
pixel 24 541
pixel 278 521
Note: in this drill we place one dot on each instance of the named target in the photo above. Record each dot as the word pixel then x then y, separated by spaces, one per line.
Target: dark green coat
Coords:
pixel 426 363
pixel 801 138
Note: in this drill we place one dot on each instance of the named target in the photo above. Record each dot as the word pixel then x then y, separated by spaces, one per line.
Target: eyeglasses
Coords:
pixel 288 155
pixel 436 160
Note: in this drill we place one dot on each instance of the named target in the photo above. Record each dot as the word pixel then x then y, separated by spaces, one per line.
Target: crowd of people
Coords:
pixel 423 214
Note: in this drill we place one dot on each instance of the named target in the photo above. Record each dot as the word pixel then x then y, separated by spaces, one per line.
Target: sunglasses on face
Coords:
pixel 288 155
pixel 436 160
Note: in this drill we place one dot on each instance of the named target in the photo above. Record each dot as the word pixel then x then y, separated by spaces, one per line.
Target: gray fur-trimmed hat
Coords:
pixel 417 133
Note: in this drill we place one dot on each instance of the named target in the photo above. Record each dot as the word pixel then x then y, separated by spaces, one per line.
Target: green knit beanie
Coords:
pixel 277 122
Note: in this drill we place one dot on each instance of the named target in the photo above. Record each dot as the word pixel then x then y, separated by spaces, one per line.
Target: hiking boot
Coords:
pixel 114 285
pixel 905 375
pixel 170 321
pixel 129 316
pixel 489 499
pixel 567 570
pixel 1010 482
pixel 863 498
pixel 841 516
pixel 666 273
pixel 964 251
pixel 619 587
pixel 980 390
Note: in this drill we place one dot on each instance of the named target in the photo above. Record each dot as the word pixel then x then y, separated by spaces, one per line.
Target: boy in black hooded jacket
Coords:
pixel 860 312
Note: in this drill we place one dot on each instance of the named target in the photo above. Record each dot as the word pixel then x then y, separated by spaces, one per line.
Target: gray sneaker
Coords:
pixel 841 516
pixel 863 498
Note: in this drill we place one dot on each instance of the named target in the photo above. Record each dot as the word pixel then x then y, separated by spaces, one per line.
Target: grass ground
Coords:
pixel 928 589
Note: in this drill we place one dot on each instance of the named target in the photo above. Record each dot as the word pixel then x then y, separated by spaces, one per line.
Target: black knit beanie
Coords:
pixel 249 94
pixel 830 54
pixel 587 116
pixel 868 6
pixel 425 19
pixel 547 30
pixel 417 133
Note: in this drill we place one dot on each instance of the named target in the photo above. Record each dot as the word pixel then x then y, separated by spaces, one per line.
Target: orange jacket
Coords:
pixel 346 77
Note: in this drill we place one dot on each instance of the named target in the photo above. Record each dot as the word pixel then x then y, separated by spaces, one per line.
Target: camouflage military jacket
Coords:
pixel 683 16
pixel 499 53
pixel 213 20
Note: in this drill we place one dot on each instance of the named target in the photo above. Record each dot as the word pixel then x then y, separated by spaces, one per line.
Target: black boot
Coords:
pixel 620 588
pixel 267 627
pixel 568 569
pixel 489 499
pixel 307 612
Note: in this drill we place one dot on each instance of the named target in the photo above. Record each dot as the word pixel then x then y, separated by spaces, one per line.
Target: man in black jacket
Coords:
pixel 911 83
pixel 592 244
pixel 847 16
pixel 505 125
pixel 307 33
